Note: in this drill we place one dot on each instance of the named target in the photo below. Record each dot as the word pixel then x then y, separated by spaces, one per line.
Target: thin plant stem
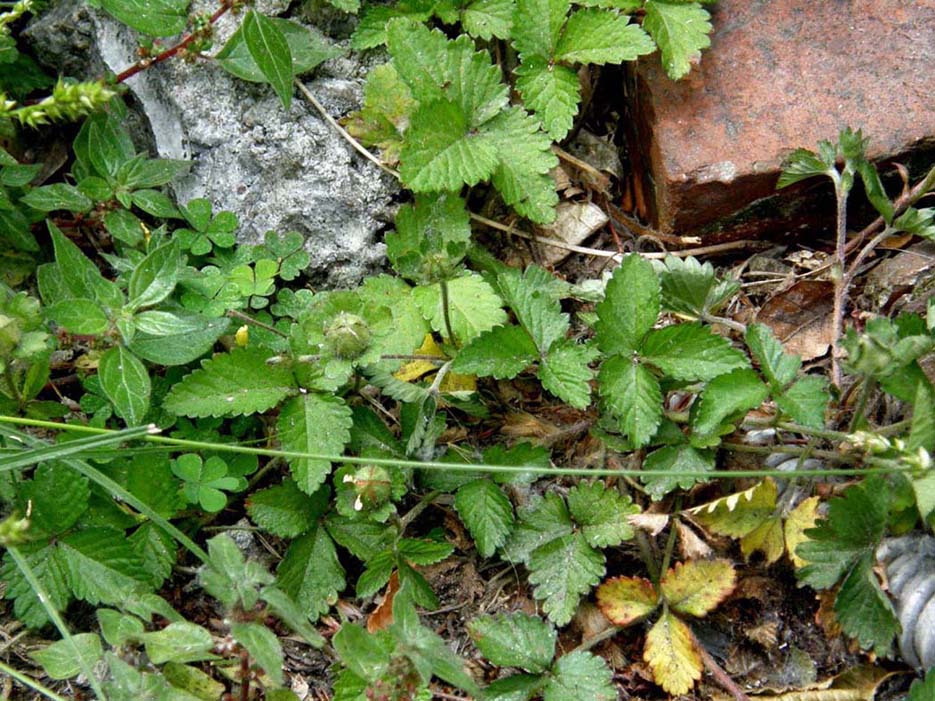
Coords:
pixel 31 683
pixel 605 634
pixel 646 553
pixel 414 512
pixel 877 465
pixel 670 543
pixel 443 285
pixel 839 278
pixel 233 313
pixel 46 601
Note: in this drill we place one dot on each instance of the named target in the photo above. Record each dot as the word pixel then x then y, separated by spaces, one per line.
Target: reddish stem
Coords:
pixel 145 63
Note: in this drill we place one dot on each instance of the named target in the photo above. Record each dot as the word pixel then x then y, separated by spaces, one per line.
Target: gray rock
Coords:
pixel 277 170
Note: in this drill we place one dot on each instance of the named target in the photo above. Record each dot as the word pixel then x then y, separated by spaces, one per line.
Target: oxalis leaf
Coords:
pixel 230 384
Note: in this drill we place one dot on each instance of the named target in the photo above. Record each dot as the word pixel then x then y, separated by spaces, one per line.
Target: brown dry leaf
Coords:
pixel 382 615
pixel 856 684
pixel 801 318
pixel 521 424
pixel 825 617
pixel 574 223
pixel 691 545
pixel 651 523
pixel 766 634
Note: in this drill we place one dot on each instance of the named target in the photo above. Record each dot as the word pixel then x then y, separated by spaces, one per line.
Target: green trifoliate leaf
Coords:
pixel 126 383
pixel 420 57
pixel 473 307
pixel 487 513
pixel 688 287
pixel 314 423
pixel 634 397
pixel 680 30
pixel 778 367
pixel 691 352
pixel 204 480
pixel 551 91
pixel 580 676
pixel 284 510
pixel 486 19
pixel 310 572
pixel 727 398
pixel 540 522
pixel 525 159
pixel 565 372
pixel 515 640
pixel 263 646
pixel 102 567
pixel 601 513
pixel 270 51
pixel 805 401
pixel 630 306
pixel 537 26
pixel 855 524
pixel 503 352
pixel 49 566
pixel 64 659
pixel 535 307
pixel 442 152
pixel 562 571
pixel 602 36
pixel 864 611
pixel 675 459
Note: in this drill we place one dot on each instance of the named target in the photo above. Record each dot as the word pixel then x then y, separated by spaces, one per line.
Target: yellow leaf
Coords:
pixel 765 538
pixel 415 369
pixel 627 599
pixel 800 519
pixel 738 514
pixel 453 382
pixel 671 653
pixel 696 587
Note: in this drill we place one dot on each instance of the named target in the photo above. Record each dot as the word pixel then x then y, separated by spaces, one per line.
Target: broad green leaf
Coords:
pixel 474 82
pixel 310 573
pixel 922 431
pixel 308 49
pixel 155 277
pixel 378 571
pixel 696 587
pixel 517 687
pixel 193 681
pixel 923 689
pixel 727 398
pixel 873 188
pixel 602 513
pixel 119 628
pixel 539 522
pixel 691 352
pixel 363 539
pixel 126 383
pixel 155 203
pixel 864 611
pixel 565 372
pixel 552 92
pixel 502 352
pixel 675 459
pixel 515 640
pixel 806 401
pixel 290 613
pixel 158 323
pixel 180 642
pixel 101 566
pixel 630 306
pixel 537 26
pixel 230 384
pixel 803 164
pixel 423 551
pixel 365 655
pixel 672 655
pixel 562 572
pixel 633 395
pixel 580 676
pixel 263 646
pixel 680 30
pixel 625 600
pixel 473 307
pixel 79 316
pixel 688 287
pixel 58 495
pixel 151 172
pixel 441 152
pixel 284 510
pixel 64 659
pixel 104 144
pixel 313 423
pixel 158 18
pixel 778 367
pixel 60 196
pixel 420 56
pixel 602 36
pixel 525 158
pixel 270 51
pixel 80 276
pixel 487 513
pixel 178 342
pixel 48 564
pixel 485 19
pixel 536 309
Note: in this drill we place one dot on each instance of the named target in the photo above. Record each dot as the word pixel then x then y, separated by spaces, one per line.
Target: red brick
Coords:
pixel 780 74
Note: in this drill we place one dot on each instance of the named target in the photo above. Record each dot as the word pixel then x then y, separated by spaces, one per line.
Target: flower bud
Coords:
pixel 347 335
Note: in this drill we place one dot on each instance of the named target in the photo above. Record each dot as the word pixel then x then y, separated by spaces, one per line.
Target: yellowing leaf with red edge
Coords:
pixel 799 520
pixel 627 599
pixel 671 653
pixel 738 514
pixel 696 587
pixel 766 538
pixel 415 369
